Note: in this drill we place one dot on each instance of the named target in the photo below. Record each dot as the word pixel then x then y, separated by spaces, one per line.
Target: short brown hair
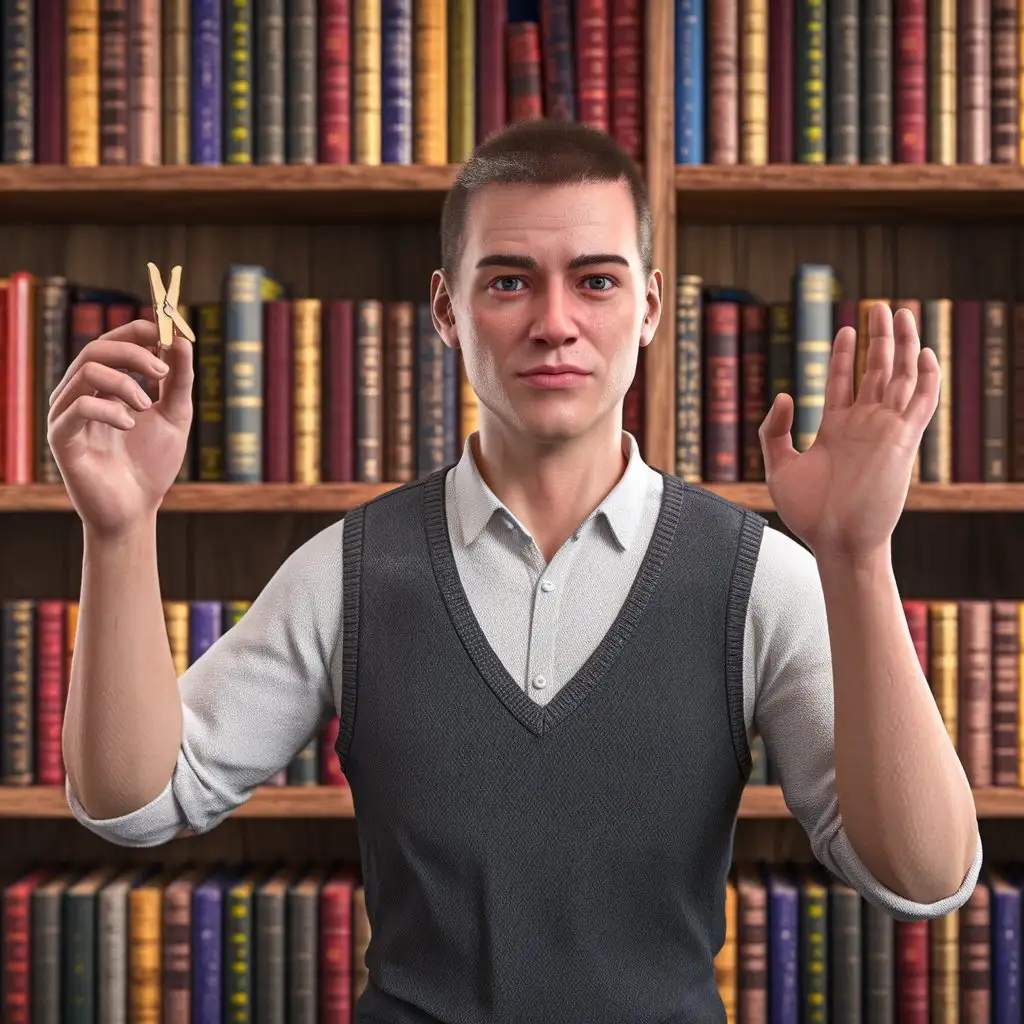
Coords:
pixel 542 151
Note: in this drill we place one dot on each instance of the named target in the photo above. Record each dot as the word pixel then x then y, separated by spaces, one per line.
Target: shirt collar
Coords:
pixel 476 504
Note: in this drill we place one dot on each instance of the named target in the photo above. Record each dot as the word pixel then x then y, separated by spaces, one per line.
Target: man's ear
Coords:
pixel 441 310
pixel 652 315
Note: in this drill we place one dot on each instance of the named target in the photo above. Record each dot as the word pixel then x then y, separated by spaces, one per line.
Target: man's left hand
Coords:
pixel 845 494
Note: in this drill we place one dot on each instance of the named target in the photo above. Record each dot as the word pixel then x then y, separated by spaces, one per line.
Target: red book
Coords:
pixel 911 83
pixel 339 391
pixel 525 100
pixel 335 81
pixel 277 408
pixel 50 692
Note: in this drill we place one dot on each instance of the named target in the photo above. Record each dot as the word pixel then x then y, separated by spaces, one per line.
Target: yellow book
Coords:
pixel 462 80
pixel 942 86
pixel 754 82
pixel 430 82
pixel 944 968
pixel 145 949
pixel 306 390
pixel 82 82
pixel 175 64
pixel 366 82
pixel 943 662
pixel 176 615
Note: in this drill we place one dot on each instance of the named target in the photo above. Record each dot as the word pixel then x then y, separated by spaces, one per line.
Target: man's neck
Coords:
pixel 550 489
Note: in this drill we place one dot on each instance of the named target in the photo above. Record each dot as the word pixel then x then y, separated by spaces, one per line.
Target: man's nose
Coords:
pixel 555 323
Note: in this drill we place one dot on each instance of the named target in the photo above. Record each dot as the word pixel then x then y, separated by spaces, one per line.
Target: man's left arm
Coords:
pixel 894 842
pixel 905 800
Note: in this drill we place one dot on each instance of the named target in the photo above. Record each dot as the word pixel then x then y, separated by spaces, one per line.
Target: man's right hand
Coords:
pixel 118 454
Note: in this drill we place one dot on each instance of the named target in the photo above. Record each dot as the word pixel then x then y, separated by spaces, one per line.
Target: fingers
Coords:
pixel 123 348
pixel 87 409
pixel 925 398
pixel 91 378
pixel 776 435
pixel 878 368
pixel 839 383
pixel 175 387
pixel 903 381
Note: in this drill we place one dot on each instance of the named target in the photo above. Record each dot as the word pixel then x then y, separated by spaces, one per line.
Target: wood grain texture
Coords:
pixel 660 356
pixel 898 193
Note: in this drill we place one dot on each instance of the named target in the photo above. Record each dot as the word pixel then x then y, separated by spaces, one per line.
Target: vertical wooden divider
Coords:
pixel 659 168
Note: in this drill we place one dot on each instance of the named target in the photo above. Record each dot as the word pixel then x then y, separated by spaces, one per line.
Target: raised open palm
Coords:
pixel 118 454
pixel 845 494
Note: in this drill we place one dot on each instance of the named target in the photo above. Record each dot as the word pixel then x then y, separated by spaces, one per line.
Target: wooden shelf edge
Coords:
pixel 316 802
pixel 784 193
pixel 340 497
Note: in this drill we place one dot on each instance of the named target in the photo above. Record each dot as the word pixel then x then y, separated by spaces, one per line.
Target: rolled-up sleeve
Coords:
pixel 250 702
pixel 791 705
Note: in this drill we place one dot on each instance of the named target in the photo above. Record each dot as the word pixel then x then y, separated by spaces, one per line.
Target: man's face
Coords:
pixel 550 278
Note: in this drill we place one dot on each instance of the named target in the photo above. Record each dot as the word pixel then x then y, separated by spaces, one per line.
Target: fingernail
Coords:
pixel 159 366
pixel 144 399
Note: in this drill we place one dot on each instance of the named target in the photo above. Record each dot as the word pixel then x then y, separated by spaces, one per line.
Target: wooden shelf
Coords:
pixel 222 194
pixel 215 497
pixel 803 193
pixel 311 802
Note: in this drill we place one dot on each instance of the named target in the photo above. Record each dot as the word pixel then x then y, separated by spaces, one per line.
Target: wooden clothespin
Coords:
pixel 165 306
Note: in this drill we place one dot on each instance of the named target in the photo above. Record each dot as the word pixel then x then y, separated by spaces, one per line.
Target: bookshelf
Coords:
pixel 362 230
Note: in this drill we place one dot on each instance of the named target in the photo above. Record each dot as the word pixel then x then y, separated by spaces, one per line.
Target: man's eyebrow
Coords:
pixel 499 259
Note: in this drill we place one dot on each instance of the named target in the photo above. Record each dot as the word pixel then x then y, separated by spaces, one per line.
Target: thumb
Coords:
pixel 776 435
pixel 175 389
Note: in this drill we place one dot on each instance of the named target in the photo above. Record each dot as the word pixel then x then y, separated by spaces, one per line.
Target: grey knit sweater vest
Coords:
pixel 559 864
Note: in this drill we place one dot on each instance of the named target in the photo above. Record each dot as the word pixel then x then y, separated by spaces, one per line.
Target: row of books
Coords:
pixel 970 651
pixel 268 942
pixel 736 350
pixel 311 81
pixel 37 641
pixel 972 654
pixel 287 389
pixel 847 82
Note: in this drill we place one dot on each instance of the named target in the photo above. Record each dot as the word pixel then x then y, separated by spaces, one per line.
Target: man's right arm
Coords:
pixel 148 755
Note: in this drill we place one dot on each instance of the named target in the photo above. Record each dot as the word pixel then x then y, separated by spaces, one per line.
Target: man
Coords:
pixel 549 659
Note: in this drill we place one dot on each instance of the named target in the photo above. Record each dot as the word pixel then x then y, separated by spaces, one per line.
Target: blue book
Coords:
pixel 689 82
pixel 1006 941
pixel 783 946
pixel 396 82
pixel 204 627
pixel 208 945
pixel 207 60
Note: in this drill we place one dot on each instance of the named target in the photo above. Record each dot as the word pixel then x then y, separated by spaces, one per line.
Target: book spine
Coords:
pixel 966 386
pixel 238 82
pixel 369 390
pixel 722 391
pixel 689 379
pixel 690 82
pixel 367 82
pixel 176 953
pixel 400 396
pixel 307 406
pixel 1005 47
pixel 627 75
pixel 911 89
pixel 49 693
pixel 82 84
pixel 144 77
pixel 844 84
pixel 17 692
pixel 461 80
pixel 269 57
pixel 592 71
pixel 1006 641
pixel 207 27
pixel 723 81
pixel 491 73
pixel 995 409
pixel 243 376
pixel 301 89
pixel 974 108
pixel 278 415
pixel 209 357
pixel 557 56
pixel 942 81
pixel 335 67
pixel 430 88
pixel 910 944
pixel 976 956
pixel 753 387
pixel 524 79
pixel 339 378
pixel 937 440
pixel 811 76
pixel 876 112
pixel 812 348
pixel 177 39
pixel 974 647
pixel 50 97
pixel 205 626
pixel 753 65
pixel 19 82
pixel 781 82
pixel 430 453
pixel 396 82
pixel 51 362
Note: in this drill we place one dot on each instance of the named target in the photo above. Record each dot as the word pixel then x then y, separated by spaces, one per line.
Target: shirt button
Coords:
pixel 539 682
pixel 509 524
pixel 547 586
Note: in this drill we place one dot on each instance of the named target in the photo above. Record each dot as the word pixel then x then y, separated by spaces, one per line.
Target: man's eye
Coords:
pixel 607 282
pixel 501 281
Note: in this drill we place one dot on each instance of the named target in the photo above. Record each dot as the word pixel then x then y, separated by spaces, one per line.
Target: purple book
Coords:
pixel 206 82
pixel 204 627
pixel 396 82
pixel 208 945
